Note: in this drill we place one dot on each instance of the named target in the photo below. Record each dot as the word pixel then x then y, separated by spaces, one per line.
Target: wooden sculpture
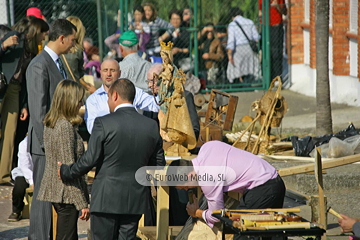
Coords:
pixel 174 117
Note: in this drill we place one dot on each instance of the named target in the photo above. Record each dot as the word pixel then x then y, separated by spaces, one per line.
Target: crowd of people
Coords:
pixel 45 89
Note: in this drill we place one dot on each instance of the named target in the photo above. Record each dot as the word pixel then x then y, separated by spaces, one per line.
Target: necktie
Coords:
pixel 61 68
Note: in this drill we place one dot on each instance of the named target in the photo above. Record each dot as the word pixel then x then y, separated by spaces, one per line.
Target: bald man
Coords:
pixel 96 104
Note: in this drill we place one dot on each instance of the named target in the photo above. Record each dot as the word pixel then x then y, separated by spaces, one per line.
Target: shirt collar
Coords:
pixel 52 54
pixel 123 105
pixel 101 90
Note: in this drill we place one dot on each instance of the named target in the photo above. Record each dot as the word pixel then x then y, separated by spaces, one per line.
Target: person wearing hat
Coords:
pixel 36 12
pixel 133 67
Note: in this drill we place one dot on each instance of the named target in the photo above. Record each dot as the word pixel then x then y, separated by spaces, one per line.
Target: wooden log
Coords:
pixel 319 179
pixel 325 165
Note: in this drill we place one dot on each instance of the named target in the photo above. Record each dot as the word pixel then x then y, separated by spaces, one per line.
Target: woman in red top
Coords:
pixel 277 10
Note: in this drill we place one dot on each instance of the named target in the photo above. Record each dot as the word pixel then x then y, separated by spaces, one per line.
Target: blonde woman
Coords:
pixel 63 144
pixel 75 56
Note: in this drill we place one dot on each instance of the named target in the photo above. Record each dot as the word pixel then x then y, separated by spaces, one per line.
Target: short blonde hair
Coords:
pixel 80 33
pixel 65 103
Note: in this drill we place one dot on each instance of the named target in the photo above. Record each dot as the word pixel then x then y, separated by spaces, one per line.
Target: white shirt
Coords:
pixel 53 55
pixel 25 164
pixel 123 105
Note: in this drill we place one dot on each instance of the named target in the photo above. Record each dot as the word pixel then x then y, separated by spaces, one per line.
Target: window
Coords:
pixel 354 4
pixel 307 10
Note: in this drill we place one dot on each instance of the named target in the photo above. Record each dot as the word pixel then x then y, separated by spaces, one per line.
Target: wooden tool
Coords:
pixel 333 212
pixel 191 196
pixel 284 210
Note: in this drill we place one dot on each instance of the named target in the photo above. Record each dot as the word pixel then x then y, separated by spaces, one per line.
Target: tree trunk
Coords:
pixel 323 110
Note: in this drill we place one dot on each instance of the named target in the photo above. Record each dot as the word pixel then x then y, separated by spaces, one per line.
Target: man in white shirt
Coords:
pixel 96 104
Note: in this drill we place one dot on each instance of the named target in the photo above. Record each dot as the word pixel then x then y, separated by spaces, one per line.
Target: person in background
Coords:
pixel 180 37
pixel 23 179
pixel 221 34
pixel 112 42
pixel 36 12
pixel 87 44
pixel 243 66
pixel 93 66
pixel 74 57
pixel 8 42
pixel 63 143
pixel 96 103
pixel 277 10
pixel 211 52
pixel 133 67
pixel 140 27
pixel 156 26
pixel 186 17
pixel 14 62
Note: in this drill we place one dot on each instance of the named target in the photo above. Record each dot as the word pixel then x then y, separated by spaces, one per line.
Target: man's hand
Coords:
pixel 85 214
pixel 191 208
pixel 175 50
pixel 59 164
pixel 10 41
pixel 347 223
pixel 90 88
pixel 24 114
pixel 231 60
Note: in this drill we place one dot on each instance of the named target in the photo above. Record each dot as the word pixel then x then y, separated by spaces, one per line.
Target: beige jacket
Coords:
pixel 62 144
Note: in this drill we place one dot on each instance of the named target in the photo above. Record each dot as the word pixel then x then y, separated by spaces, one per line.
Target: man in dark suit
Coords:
pixel 120 144
pixel 43 74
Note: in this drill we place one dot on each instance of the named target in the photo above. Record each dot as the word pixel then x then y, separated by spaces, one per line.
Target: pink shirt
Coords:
pixel 251 171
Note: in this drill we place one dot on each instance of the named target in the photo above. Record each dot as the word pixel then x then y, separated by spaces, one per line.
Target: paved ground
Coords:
pixel 300 120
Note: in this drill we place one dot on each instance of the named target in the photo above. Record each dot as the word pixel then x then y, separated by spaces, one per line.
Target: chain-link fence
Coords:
pixel 206 39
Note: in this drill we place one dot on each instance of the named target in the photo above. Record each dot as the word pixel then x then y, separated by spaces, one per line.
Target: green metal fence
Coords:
pixel 100 20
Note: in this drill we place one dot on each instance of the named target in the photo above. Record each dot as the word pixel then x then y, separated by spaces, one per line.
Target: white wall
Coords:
pixel 344 89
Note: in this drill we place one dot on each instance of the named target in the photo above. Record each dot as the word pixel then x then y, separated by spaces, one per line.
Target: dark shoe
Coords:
pixel 14 217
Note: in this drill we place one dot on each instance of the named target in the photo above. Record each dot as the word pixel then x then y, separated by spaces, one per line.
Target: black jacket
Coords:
pixel 120 144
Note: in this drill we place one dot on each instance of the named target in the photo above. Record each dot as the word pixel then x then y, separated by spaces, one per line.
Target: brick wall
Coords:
pixel 296 14
pixel 340 25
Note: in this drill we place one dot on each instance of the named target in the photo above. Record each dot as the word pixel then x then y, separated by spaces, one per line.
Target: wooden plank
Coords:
pixel 319 179
pixel 54 222
pixel 162 213
pixel 325 165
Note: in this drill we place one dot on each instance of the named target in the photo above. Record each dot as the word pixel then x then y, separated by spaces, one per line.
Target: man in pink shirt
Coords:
pixel 250 175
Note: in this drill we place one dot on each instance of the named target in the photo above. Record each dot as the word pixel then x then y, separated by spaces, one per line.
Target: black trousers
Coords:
pixel 18 194
pixel 276 50
pixel 66 228
pixel 114 226
pixel 268 195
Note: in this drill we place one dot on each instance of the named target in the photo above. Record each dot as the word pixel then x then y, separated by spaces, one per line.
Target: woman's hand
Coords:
pixel 85 214
pixel 24 114
pixel 231 60
pixel 10 41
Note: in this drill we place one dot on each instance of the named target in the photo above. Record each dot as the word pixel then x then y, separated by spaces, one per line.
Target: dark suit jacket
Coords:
pixel 120 144
pixel 42 77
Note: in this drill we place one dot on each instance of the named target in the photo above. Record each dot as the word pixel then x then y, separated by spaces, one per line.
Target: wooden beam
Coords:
pixel 319 180
pixel 162 213
pixel 325 165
